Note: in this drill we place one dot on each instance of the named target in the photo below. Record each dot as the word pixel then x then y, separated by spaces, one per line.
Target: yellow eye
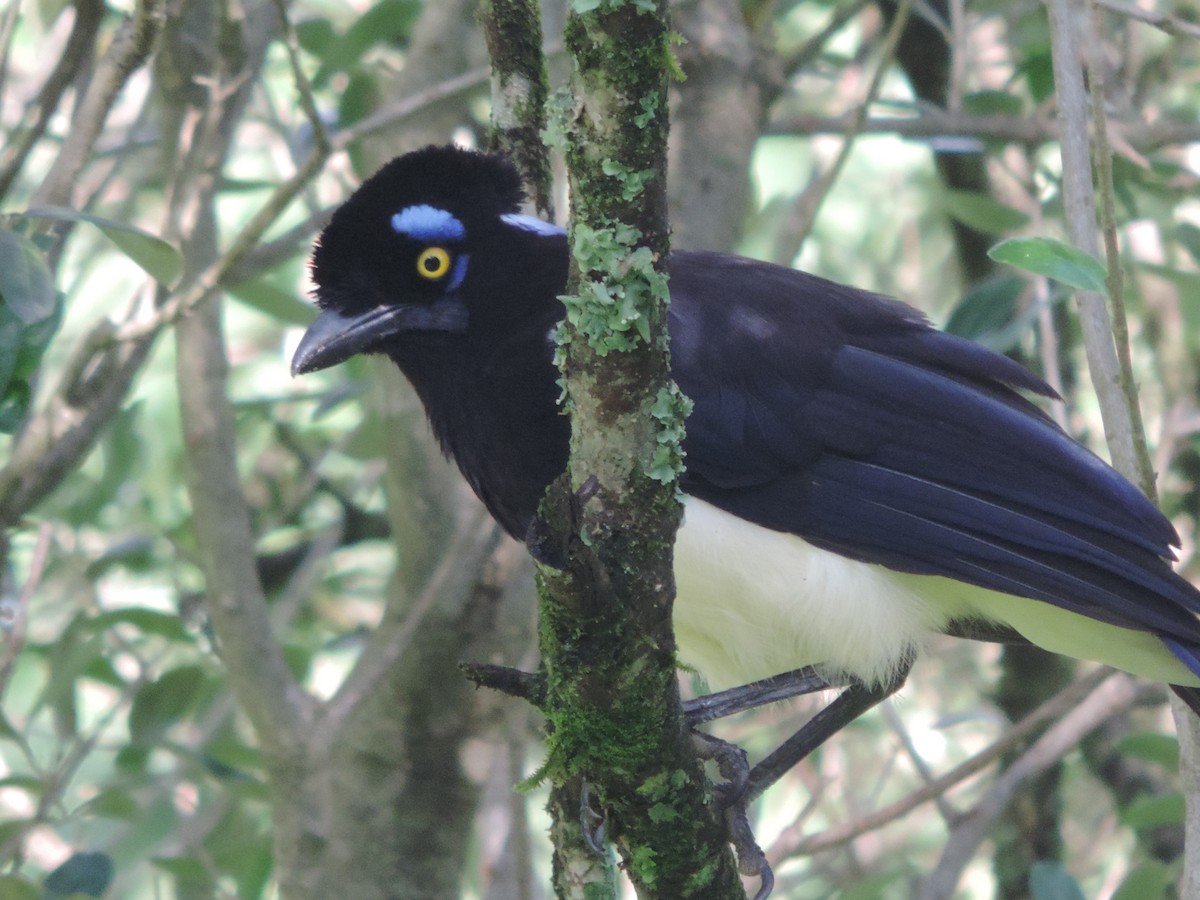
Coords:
pixel 433 263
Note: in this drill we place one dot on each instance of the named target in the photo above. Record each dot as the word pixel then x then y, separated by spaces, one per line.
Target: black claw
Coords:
pixel 559 514
pixel 731 797
pixel 591 822
pixel 766 881
pixel 587 490
pixel 731 762
pixel 742 784
pixel 751 859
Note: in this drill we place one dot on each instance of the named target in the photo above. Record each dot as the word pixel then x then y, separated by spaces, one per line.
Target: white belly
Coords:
pixel 753 602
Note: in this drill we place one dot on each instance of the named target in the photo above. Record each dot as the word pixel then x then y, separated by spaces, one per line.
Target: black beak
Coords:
pixel 333 338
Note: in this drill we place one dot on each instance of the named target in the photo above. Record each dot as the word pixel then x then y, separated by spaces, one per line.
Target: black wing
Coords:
pixel 844 418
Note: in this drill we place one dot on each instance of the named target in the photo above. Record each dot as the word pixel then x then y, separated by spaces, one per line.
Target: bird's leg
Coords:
pixel 849 705
pixel 743 785
pixel 758 693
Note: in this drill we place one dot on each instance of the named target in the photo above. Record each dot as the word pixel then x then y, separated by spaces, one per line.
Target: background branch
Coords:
pixel 1109 698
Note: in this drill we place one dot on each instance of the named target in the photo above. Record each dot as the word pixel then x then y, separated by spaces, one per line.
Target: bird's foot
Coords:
pixel 559 515
pixel 591 821
pixel 731 797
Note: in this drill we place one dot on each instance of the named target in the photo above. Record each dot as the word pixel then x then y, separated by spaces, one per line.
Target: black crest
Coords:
pixel 476 188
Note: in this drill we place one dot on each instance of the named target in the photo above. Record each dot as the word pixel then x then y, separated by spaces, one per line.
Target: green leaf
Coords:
pixel 89 874
pixel 113 804
pixel 21 349
pixel 1050 881
pixel 279 303
pixel 14 888
pixel 162 703
pixel 992 103
pixel 229 754
pixel 26 285
pixel 11 829
pixel 982 213
pixel 35 339
pixel 134 553
pixel 131 758
pixel 1188 236
pixel 878 886
pixel 122 449
pixel 1150 879
pixel 102 670
pixel 67 659
pixel 383 22
pixel 1150 812
pixel 149 621
pixel 990 308
pixel 14 404
pixel 315 36
pixel 28 783
pixel 239 845
pixel 1038 70
pixel 357 99
pixel 156 257
pixel 1053 259
pixel 1162 749
pixel 187 870
pixel 7 731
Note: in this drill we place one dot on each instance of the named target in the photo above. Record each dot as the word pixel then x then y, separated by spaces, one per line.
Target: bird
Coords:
pixel 855 480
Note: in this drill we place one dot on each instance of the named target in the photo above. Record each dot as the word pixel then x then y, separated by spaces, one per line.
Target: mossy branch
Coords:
pixel 606 530
pixel 513 31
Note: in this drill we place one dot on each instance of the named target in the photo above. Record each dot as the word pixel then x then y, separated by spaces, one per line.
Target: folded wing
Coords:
pixel 844 418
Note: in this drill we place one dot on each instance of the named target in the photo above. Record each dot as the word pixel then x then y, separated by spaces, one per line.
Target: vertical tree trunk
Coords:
pixel 606 530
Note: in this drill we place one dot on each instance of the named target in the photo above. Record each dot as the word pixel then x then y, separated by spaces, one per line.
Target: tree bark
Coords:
pixel 606 530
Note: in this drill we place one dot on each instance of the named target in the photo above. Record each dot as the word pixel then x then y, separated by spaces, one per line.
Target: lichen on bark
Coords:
pixel 606 530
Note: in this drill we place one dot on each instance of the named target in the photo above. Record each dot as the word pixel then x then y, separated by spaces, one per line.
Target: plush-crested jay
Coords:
pixel 855 479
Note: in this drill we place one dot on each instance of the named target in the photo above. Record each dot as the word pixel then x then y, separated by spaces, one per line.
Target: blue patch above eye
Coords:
pixel 428 223
pixel 531 223
pixel 460 272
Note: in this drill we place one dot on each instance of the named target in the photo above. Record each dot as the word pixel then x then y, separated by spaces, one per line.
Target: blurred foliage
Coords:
pixel 126 769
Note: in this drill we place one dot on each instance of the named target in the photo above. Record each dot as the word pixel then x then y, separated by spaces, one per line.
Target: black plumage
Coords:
pixel 822 411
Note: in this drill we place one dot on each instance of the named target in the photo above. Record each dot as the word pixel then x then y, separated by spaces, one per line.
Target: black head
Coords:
pixel 396 257
pixel 431 263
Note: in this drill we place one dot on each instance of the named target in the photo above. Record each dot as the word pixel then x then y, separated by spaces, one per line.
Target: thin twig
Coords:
pixel 454 577
pixel 76 53
pixel 129 50
pixel 1079 208
pixel 8 27
pixel 20 610
pixel 1114 278
pixel 815 45
pixel 804 210
pixel 1172 25
pixel 273 700
pixel 896 722
pixel 248 237
pixel 1054 708
pixel 1033 130
pixel 1109 699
